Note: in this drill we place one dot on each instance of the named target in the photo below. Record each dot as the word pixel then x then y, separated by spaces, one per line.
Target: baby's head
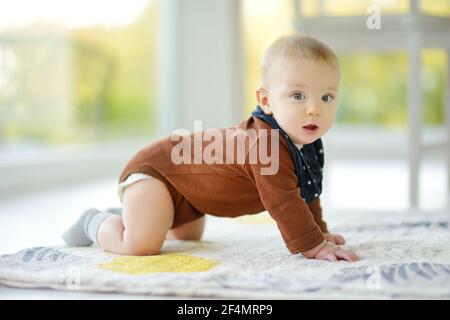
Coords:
pixel 299 86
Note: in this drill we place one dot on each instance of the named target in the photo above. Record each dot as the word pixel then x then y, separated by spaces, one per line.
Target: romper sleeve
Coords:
pixel 281 197
pixel 316 210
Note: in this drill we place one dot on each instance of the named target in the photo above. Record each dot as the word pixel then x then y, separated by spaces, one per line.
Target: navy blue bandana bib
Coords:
pixel 308 161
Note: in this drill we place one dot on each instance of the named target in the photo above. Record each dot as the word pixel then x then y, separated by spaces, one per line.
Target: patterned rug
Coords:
pixel 401 257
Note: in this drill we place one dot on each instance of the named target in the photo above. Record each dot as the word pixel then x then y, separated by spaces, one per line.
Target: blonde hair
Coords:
pixel 296 46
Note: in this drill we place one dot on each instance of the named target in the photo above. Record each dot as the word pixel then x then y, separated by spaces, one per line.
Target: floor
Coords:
pixel 38 219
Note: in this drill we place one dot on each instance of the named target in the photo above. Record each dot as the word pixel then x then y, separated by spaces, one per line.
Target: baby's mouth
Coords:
pixel 311 128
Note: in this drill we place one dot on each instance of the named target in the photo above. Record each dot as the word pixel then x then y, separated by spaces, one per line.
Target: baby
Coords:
pixel 165 195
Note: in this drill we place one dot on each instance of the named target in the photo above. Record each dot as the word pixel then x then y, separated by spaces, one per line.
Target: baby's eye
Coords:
pixel 299 96
pixel 327 98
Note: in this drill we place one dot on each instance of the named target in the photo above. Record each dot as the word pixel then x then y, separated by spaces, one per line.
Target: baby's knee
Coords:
pixel 136 246
pixel 141 250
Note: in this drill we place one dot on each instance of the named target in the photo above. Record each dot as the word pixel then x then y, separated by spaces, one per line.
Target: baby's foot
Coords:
pixel 77 235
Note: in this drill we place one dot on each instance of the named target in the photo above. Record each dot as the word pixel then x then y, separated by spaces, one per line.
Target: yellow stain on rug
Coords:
pixel 171 262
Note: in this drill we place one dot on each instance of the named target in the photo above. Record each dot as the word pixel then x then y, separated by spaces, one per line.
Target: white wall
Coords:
pixel 201 69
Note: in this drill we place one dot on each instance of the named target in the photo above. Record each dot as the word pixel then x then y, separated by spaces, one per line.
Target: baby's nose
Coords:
pixel 312 110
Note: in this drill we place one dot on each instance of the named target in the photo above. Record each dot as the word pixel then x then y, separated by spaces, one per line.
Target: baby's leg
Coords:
pixel 147 215
pixel 189 231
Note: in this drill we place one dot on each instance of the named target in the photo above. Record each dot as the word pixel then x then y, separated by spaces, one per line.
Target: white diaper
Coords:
pixel 132 178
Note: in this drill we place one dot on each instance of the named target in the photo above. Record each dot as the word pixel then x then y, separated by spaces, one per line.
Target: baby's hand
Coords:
pixel 329 251
pixel 335 238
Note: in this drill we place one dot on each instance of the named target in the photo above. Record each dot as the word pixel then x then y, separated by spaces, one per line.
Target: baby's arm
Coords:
pixel 316 210
pixel 281 197
pixel 329 251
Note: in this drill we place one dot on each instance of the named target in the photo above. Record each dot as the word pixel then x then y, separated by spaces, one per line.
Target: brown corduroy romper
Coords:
pixel 234 189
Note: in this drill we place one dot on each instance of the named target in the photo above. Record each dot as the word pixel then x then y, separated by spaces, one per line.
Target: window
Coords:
pixel 76 71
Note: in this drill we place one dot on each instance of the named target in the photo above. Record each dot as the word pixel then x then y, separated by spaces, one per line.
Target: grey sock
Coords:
pixel 115 210
pixel 91 226
pixel 84 231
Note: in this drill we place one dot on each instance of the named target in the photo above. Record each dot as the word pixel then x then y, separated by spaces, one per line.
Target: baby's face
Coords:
pixel 301 92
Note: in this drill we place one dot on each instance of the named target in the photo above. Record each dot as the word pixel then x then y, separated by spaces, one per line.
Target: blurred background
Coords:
pixel 85 84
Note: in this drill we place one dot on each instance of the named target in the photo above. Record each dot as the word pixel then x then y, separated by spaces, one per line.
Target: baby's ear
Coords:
pixel 263 100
